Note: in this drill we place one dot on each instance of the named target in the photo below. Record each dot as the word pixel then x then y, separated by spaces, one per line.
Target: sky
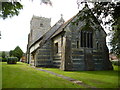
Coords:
pixel 15 30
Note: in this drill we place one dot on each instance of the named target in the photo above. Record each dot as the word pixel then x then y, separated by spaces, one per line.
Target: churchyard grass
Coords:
pixel 99 79
pixel 20 75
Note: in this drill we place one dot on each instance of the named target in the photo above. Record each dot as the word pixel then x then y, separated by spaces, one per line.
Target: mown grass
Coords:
pixel 0 75
pixel 20 75
pixel 99 79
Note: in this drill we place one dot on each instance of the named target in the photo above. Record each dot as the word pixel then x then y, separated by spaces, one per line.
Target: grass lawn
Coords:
pixel 20 75
pixel 99 79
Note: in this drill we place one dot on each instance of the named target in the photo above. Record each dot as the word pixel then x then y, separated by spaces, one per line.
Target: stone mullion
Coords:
pixel 81 39
pixel 90 40
pixel 86 40
pixel 84 37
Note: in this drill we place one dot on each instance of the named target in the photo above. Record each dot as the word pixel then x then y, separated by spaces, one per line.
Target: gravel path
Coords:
pixel 67 78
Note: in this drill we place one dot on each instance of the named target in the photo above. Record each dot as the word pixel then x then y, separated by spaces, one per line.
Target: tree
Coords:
pixel 111 9
pixel 9 9
pixel 11 53
pixel 3 54
pixel 17 52
pixel 115 39
pixel 111 12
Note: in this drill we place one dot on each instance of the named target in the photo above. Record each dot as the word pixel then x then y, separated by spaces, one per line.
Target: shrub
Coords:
pixel 4 59
pixel 0 59
pixel 12 60
pixel 115 62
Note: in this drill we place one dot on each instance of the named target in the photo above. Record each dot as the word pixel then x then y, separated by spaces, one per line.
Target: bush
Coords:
pixel 115 62
pixel 4 59
pixel 12 60
pixel 0 59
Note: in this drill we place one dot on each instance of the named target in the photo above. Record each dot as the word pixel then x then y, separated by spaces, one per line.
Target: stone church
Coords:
pixel 78 44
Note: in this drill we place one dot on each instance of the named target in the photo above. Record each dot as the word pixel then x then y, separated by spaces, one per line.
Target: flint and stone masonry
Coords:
pixel 78 44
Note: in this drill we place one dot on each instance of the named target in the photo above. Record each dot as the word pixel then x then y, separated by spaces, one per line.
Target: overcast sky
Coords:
pixel 15 30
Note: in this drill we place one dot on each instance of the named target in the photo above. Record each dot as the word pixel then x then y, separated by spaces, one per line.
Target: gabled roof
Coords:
pixel 48 34
pixel 62 27
pixel 59 27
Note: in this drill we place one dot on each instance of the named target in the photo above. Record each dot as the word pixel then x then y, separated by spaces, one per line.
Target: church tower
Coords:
pixel 39 26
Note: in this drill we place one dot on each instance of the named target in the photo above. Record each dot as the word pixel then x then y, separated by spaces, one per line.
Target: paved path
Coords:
pixel 67 78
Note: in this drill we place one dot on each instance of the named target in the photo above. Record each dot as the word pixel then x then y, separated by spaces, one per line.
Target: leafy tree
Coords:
pixel 3 54
pixel 11 53
pixel 111 9
pixel 115 39
pixel 9 9
pixel 17 52
pixel 103 10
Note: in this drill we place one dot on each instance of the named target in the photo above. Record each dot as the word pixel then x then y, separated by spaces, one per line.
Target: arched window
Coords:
pixel 86 39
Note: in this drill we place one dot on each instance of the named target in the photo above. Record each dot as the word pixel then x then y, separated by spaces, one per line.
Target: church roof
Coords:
pixel 48 34
pixel 62 27
pixel 56 29
pixel 59 27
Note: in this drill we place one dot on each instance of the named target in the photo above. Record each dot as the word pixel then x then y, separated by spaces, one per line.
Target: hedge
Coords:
pixel 4 59
pixel 12 60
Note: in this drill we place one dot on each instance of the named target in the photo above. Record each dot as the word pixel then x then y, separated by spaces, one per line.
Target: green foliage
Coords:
pixel 12 60
pixel 9 9
pixel 11 53
pixel 116 68
pixel 103 10
pixel 17 52
pixel 112 9
pixel 4 59
pixel 3 54
pixel 0 59
pixel 115 62
pixel 115 38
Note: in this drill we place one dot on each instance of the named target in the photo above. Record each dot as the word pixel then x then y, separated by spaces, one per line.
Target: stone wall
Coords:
pixel 44 55
pixel 39 26
pixel 84 58
pixel 57 51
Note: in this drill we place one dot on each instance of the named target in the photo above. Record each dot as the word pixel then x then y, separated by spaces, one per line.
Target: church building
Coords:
pixel 78 44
